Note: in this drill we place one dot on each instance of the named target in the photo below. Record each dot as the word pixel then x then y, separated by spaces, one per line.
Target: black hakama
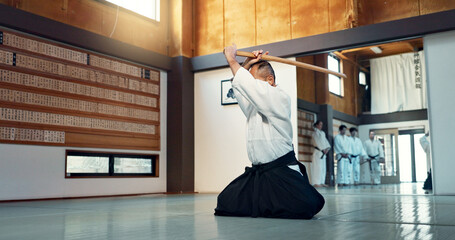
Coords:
pixel 271 190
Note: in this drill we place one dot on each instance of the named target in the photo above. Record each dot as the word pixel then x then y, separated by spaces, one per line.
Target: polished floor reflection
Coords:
pixel 361 212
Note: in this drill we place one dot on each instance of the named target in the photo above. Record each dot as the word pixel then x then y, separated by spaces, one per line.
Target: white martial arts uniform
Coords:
pixel 425 143
pixel 318 164
pixel 276 185
pixel 374 150
pixel 342 144
pixel 268 113
pixel 357 152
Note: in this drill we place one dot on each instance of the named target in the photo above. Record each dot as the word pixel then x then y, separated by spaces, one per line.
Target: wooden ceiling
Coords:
pixel 363 54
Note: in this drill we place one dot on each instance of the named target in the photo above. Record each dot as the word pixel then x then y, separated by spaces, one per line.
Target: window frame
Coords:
pixel 365 74
pixel 111 155
pixel 341 95
pixel 157 10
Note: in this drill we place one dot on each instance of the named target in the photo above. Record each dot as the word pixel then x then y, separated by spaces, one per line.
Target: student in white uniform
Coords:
pixel 342 145
pixel 357 152
pixel 276 185
pixel 375 153
pixel 425 143
pixel 321 148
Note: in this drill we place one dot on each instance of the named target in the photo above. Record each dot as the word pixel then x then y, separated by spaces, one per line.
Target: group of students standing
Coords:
pixel 356 162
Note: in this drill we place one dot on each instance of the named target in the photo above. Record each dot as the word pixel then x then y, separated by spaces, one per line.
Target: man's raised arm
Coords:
pixel 230 53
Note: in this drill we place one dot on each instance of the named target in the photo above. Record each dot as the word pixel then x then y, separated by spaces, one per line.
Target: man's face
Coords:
pixel 343 131
pixel 319 126
pixel 354 133
pixel 371 135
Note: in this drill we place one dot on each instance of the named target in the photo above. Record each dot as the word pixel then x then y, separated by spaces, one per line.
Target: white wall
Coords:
pixel 31 172
pixel 220 131
pixel 440 52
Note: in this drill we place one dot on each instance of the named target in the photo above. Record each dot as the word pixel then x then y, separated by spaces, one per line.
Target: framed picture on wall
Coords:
pixel 227 93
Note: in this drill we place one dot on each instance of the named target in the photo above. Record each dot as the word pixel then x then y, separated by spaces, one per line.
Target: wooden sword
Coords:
pixel 292 62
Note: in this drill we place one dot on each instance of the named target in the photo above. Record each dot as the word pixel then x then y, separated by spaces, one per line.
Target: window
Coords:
pixel 147 8
pixel 335 83
pixel 93 164
pixel 362 78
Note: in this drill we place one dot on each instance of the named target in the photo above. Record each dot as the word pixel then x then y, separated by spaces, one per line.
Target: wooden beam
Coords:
pixel 340 55
pixel 356 49
pixel 410 46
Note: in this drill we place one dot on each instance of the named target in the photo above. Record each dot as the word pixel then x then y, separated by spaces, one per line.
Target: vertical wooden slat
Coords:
pixel 337 15
pixel 322 81
pixel 309 17
pixel 86 15
pixel 365 12
pixel 239 23
pixel 51 9
pixel 187 28
pixel 209 26
pixel 306 81
pixel 273 21
pixel 392 10
pixel 432 6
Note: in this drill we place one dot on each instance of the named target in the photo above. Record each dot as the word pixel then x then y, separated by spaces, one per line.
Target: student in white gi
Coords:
pixel 276 185
pixel 342 145
pixel 321 148
pixel 357 152
pixel 375 153
pixel 425 143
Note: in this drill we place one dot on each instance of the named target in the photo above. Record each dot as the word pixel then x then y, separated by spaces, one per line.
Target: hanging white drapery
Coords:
pixel 393 83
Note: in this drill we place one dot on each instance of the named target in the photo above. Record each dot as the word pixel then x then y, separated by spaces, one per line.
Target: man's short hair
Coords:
pixel 265 66
pixel 342 127
pixel 317 123
pixel 353 129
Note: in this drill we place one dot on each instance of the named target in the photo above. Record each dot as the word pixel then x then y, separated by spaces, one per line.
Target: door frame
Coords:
pixel 396 178
pixel 411 133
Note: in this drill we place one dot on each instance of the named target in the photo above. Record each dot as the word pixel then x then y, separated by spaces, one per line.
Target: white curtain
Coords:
pixel 393 84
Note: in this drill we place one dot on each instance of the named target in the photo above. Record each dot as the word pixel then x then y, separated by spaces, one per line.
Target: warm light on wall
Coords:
pixel 147 8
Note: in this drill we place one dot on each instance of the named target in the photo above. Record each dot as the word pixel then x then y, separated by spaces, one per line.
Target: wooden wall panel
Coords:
pixel 309 17
pixel 175 27
pixel 187 29
pixel 348 103
pixel 432 6
pixel 383 11
pixel 273 25
pixel 322 81
pixel 87 15
pixel 53 9
pixel 181 28
pixel 239 23
pixel 82 140
pixel 365 13
pixel 97 17
pixel 209 33
pixel 306 88
pixel 338 14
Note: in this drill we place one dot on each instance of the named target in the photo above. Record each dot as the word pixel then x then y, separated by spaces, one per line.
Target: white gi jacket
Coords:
pixel 374 148
pixel 342 144
pixel 319 140
pixel 357 147
pixel 268 113
pixel 425 143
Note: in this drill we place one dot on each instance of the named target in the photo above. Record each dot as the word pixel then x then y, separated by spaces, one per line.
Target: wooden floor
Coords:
pixel 363 212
